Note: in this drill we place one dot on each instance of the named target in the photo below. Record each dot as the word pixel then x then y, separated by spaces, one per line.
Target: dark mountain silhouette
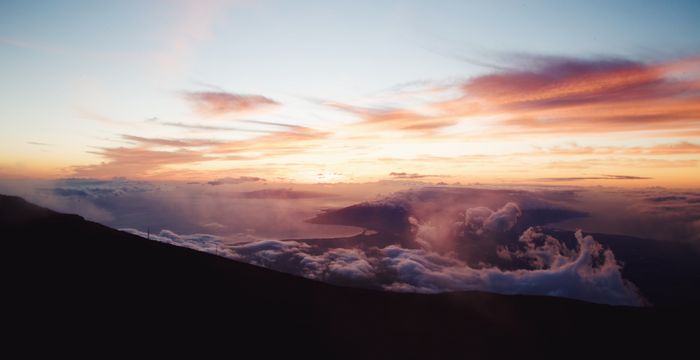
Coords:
pixel 388 218
pixel 71 286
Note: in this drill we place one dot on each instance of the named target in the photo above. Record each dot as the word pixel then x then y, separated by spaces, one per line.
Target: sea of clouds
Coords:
pixel 250 220
pixel 586 272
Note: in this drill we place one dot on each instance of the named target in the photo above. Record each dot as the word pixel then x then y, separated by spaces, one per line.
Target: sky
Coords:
pixel 552 92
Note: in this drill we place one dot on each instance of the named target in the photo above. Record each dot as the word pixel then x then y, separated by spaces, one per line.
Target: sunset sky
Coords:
pixel 553 92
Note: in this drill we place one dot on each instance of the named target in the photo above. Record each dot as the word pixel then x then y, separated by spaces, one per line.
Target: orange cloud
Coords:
pixel 181 143
pixel 598 177
pixel 136 162
pixel 436 117
pixel 405 175
pixel 297 140
pixel 681 148
pixel 142 160
pixel 571 96
pixel 213 103
pixel 561 95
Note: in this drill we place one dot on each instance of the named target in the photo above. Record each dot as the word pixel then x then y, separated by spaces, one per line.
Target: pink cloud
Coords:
pixel 214 103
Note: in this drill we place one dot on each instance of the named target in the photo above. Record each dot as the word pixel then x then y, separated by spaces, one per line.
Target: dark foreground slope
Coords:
pixel 71 285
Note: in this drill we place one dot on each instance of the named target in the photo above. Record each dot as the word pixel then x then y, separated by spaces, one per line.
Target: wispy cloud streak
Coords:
pixel 214 103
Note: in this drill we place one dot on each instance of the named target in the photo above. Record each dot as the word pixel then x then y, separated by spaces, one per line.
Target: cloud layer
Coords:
pixel 588 272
